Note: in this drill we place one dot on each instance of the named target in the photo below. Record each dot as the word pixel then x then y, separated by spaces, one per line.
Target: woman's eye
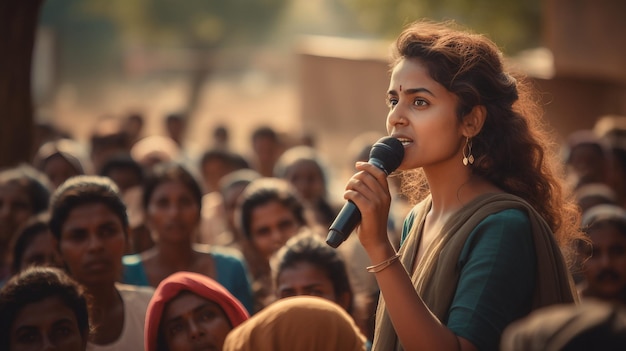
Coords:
pixel 420 102
pixel 162 203
pixel 175 328
pixel 62 332
pixel 77 236
pixel 207 315
pixel 27 337
pixel 391 101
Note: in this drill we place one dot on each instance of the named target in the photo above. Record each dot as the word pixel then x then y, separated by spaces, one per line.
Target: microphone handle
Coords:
pixel 345 222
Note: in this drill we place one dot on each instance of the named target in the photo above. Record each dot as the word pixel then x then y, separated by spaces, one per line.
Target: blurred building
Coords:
pixel 580 71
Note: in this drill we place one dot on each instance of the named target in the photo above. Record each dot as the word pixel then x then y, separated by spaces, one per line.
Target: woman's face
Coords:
pixel 47 324
pixel 92 244
pixel 191 322
pixel 271 225
pixel 42 251
pixel 173 212
pixel 306 177
pixel 304 278
pixel 422 114
pixel 15 208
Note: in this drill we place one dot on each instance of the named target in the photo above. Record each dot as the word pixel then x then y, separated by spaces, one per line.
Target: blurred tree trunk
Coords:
pixel 18 25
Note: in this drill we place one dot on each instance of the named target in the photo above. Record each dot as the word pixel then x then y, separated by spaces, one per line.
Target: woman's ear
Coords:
pixel 474 120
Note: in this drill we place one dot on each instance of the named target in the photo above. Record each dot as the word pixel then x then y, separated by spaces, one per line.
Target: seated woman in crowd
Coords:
pixel 24 192
pixel 34 245
pixel 191 311
pixel 172 204
pixel 306 265
pixel 303 168
pixel 89 220
pixel 42 308
pixel 269 213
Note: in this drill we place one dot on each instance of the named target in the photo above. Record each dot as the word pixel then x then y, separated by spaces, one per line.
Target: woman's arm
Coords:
pixel 417 328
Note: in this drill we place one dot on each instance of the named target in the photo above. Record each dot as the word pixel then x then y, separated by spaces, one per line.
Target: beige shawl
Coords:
pixel 300 323
pixel 435 277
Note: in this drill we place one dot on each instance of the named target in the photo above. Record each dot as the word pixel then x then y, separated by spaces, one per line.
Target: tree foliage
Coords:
pixel 513 24
pixel 195 23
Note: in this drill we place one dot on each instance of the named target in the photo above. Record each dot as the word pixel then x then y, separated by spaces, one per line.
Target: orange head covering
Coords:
pixel 198 284
pixel 303 323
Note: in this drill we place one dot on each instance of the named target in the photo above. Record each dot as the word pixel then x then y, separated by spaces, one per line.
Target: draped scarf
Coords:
pixel 436 275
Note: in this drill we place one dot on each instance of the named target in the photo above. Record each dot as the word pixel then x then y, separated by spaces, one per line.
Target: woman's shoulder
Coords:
pixel 228 254
pixel 509 215
pixel 132 260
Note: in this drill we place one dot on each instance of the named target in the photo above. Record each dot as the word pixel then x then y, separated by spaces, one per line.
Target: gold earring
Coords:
pixel 468 158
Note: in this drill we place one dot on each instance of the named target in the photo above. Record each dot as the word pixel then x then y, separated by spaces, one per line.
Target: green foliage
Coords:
pixel 91 35
pixel 513 24
pixel 195 23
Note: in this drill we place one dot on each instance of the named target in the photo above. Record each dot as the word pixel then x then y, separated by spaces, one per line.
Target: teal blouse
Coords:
pixel 232 273
pixel 497 278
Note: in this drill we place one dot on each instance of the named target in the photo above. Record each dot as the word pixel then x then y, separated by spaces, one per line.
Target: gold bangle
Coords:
pixel 384 264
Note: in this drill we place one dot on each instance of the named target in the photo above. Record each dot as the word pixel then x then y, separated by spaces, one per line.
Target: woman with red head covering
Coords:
pixel 190 311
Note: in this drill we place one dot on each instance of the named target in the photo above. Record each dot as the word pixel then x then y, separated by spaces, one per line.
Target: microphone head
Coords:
pixel 389 152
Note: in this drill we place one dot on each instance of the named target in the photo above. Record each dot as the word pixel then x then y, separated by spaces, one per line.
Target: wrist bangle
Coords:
pixel 384 264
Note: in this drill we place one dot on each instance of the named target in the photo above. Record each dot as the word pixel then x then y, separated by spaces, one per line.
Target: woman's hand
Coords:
pixel 369 191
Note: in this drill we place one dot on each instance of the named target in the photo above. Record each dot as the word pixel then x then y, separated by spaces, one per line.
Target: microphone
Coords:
pixel 386 154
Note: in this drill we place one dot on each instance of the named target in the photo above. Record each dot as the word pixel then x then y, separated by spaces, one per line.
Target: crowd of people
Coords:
pixel 485 238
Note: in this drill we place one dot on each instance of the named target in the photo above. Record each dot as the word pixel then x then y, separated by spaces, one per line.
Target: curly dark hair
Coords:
pixel 514 150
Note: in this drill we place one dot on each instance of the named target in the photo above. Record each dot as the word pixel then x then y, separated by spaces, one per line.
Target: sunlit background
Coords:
pixel 314 68
pixel 233 62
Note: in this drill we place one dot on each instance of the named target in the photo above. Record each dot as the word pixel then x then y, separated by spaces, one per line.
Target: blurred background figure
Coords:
pixel 24 192
pixel 34 245
pixel 214 165
pixel 124 171
pixel 45 131
pixel 128 175
pixel 586 159
pixel 133 125
pixel 589 195
pixel 592 325
pixel 176 127
pixel 42 308
pixel 172 202
pixel 107 139
pixel 604 257
pixel 191 311
pixel 303 323
pixel 61 159
pixel 218 207
pixel 155 149
pixel 303 168
pixel 612 130
pixel 266 149
pixel 221 137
